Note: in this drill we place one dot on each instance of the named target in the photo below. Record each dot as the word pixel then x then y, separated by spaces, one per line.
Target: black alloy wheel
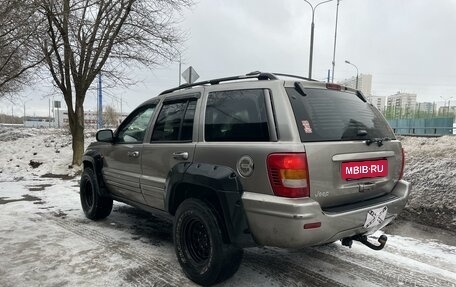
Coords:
pixel 203 255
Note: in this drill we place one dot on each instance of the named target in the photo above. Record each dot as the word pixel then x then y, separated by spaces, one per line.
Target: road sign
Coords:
pixel 190 75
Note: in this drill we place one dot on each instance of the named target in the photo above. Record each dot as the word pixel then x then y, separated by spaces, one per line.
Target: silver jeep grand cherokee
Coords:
pixel 251 160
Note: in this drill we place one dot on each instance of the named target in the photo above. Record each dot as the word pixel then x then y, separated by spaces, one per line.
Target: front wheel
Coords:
pixel 95 207
pixel 199 245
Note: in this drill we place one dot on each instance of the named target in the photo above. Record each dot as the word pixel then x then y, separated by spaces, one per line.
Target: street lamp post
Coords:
pixel 335 39
pixel 357 73
pixel 180 68
pixel 312 27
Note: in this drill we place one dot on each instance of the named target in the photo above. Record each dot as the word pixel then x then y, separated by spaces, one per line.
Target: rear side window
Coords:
pixel 238 115
pixel 175 121
pixel 329 115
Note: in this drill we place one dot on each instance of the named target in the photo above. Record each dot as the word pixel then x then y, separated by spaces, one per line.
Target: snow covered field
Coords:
pixel 45 239
pixel 30 152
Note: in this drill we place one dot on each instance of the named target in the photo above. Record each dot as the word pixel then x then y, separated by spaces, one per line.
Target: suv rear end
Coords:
pixel 343 180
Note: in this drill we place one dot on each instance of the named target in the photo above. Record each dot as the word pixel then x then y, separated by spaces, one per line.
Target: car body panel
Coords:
pixel 157 160
pixel 276 221
pixel 326 183
pixel 122 171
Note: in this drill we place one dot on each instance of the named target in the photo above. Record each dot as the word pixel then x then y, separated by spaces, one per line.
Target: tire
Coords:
pixel 95 207
pixel 199 245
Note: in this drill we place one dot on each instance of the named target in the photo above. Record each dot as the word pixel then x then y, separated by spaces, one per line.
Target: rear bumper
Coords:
pixel 277 221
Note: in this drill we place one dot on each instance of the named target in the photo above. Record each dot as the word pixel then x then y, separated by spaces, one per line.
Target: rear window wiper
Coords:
pixel 379 141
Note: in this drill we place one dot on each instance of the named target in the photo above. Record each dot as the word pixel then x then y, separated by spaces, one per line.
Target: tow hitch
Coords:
pixel 348 241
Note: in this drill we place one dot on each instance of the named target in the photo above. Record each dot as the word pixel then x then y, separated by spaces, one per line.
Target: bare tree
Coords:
pixel 17 27
pixel 81 38
pixel 111 117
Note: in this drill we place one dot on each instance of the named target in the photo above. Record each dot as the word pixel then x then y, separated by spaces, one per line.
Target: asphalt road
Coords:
pixel 45 240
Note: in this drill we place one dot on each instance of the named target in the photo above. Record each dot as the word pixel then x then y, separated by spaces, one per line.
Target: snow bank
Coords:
pixel 28 152
pixel 431 168
pixel 9 134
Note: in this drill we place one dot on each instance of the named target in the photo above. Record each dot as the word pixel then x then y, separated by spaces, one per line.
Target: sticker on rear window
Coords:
pixel 307 128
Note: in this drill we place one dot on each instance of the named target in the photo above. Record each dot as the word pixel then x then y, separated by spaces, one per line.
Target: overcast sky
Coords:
pixel 407 46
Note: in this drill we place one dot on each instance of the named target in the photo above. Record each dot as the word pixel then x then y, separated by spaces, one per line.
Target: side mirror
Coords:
pixel 105 136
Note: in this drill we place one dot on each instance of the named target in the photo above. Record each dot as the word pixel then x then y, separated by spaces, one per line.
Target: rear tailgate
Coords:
pixel 351 151
pixel 348 172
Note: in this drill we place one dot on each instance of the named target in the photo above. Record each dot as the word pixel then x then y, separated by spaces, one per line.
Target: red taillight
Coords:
pixel 403 164
pixel 331 86
pixel 288 174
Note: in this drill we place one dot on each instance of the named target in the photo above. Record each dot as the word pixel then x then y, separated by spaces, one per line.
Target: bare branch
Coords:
pixel 81 38
pixel 17 27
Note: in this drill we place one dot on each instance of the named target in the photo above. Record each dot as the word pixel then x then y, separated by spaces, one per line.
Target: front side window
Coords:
pixel 175 121
pixel 134 130
pixel 238 115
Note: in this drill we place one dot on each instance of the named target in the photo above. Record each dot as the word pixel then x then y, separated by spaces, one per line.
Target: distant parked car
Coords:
pixel 251 160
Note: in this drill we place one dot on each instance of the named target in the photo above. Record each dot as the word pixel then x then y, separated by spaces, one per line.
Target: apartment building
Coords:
pixel 401 104
pixel 364 84
pixel 426 107
pixel 378 101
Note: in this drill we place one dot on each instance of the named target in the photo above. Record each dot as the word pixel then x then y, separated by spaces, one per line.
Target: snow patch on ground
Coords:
pixel 31 152
pixel 431 168
pixel 7 134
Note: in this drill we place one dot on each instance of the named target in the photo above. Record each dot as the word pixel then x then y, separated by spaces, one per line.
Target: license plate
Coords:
pixel 364 169
pixel 375 217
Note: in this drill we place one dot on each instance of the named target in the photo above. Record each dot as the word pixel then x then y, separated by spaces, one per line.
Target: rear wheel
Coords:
pixel 199 245
pixel 95 207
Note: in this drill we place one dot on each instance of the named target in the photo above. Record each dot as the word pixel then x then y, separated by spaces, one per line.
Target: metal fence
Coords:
pixel 427 119
pixel 425 127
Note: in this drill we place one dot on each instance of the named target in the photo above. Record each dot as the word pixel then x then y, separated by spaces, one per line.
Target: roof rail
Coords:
pixel 294 76
pixel 252 75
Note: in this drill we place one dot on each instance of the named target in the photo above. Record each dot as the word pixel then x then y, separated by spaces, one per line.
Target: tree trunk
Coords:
pixel 78 144
pixel 76 121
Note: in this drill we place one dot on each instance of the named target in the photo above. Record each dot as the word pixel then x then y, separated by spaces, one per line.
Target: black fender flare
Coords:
pixel 95 159
pixel 227 189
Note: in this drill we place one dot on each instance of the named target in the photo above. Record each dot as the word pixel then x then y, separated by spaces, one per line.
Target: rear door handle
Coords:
pixel 134 154
pixel 180 155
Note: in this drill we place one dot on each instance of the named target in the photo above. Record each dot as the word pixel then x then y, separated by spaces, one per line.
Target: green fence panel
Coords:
pixel 417 126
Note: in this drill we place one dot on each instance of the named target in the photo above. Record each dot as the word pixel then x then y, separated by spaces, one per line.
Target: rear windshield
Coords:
pixel 329 115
